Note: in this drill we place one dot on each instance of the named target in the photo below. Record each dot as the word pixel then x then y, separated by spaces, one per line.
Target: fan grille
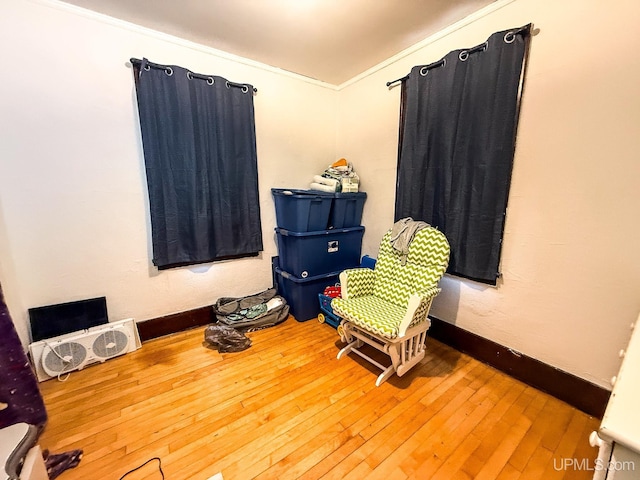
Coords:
pixel 64 358
pixel 110 343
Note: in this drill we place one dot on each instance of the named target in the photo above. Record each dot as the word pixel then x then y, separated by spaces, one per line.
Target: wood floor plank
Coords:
pixel 410 419
pixel 286 408
pixel 421 444
pixel 508 473
pixel 531 441
pixel 477 461
pixel 566 446
pixel 458 444
pixel 575 446
pixel 452 465
pixel 438 447
pixel 535 468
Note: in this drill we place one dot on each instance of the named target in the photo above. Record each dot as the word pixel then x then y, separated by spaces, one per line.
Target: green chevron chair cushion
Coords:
pixel 359 282
pixel 426 263
pixel 371 313
pixel 378 300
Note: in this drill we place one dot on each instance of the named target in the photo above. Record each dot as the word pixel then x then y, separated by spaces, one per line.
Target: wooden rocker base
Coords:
pixel 405 352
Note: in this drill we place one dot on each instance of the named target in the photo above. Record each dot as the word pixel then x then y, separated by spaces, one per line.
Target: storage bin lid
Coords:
pixel 350 195
pixel 293 192
pixel 332 231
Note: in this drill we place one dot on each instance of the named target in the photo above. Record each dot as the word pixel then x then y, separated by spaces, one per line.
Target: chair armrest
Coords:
pixel 356 282
pixel 417 309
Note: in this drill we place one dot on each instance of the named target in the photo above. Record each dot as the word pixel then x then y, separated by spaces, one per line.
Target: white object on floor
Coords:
pixel 217 476
pixel 74 351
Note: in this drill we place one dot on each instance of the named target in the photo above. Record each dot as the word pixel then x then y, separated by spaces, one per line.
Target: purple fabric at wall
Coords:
pixel 20 399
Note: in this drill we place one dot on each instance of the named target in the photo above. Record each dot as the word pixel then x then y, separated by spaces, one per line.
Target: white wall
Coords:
pixel 73 198
pixel 8 280
pixel 571 262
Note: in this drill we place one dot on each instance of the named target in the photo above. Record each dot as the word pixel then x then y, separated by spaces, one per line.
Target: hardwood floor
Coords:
pixel 286 408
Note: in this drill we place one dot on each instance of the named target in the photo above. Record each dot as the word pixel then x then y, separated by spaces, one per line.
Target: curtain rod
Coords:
pixel 190 74
pixel 397 80
pixel 511 35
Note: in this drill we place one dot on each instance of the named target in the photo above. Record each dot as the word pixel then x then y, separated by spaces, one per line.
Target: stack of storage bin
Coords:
pixel 319 235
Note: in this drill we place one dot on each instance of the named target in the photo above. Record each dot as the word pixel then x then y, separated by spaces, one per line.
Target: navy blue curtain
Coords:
pixel 198 135
pixel 457 140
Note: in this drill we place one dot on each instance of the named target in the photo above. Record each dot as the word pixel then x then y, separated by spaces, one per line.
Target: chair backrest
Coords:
pixel 425 264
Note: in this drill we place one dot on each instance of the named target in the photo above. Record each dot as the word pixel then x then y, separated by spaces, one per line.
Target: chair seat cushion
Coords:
pixel 371 313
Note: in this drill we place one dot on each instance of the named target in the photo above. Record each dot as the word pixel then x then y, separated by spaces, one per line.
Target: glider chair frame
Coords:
pixel 387 308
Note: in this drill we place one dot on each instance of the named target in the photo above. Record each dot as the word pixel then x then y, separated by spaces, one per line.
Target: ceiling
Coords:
pixel 328 40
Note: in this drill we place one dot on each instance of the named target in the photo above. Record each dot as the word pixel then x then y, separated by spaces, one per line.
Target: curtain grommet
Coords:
pixel 425 70
pixel 189 75
pixel 147 68
pixel 511 36
pixel 210 81
pixel 245 89
pixel 227 84
pixel 463 56
pixel 168 71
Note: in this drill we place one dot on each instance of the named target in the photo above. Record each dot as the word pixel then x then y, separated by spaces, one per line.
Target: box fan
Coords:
pixel 74 351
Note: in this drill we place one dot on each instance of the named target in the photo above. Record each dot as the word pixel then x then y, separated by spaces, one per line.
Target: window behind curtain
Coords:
pixel 198 135
pixel 457 140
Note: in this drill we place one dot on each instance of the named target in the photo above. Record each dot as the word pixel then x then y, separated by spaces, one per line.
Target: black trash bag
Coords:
pixel 251 313
pixel 226 339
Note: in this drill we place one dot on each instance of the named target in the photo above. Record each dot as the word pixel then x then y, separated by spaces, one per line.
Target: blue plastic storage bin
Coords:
pixel 307 254
pixel 302 293
pixel 346 209
pixel 302 210
pixel 368 262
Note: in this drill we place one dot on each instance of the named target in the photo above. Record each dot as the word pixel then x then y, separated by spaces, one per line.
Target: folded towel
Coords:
pixel 332 182
pixel 323 188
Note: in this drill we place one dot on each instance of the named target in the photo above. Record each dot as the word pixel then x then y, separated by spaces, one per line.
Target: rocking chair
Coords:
pixel 387 307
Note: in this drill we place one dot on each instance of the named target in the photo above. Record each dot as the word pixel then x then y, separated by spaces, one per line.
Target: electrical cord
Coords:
pixel 138 468
pixel 65 361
